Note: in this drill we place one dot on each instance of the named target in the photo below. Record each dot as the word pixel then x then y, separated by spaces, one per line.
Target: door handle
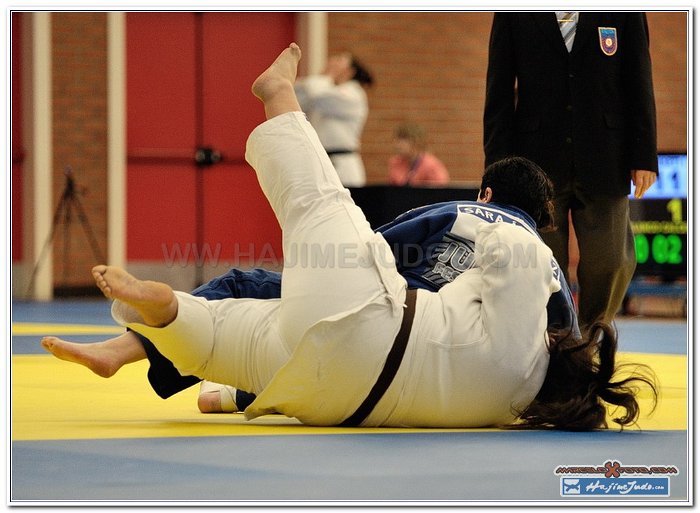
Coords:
pixel 205 156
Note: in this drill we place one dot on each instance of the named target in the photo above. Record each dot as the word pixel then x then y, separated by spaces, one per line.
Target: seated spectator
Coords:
pixel 412 165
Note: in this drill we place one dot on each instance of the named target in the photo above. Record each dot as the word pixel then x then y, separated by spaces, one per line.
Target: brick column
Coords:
pixel 79 57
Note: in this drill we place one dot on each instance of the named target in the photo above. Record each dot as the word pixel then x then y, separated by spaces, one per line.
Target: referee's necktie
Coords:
pixel 567 25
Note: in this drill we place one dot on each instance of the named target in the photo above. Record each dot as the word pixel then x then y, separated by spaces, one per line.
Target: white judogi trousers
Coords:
pixel 477 350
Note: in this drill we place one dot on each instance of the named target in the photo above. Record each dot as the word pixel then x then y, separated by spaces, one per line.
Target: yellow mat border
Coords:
pixel 41 329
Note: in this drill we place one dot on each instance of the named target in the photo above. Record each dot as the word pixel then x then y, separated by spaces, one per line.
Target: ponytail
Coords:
pixel 362 74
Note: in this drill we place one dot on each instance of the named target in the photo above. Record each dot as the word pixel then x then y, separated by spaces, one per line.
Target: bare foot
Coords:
pixel 95 356
pixel 103 358
pixel 155 301
pixel 275 85
pixel 281 73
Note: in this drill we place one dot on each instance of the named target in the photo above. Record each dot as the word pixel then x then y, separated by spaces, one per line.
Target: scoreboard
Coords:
pixel 660 222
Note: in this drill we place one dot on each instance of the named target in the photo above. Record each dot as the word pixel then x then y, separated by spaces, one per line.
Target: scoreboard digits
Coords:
pixel 659 221
pixel 660 236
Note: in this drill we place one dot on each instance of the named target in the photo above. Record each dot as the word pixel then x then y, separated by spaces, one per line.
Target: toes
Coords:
pixel 51 344
pixel 99 269
pixel 98 273
pixel 98 277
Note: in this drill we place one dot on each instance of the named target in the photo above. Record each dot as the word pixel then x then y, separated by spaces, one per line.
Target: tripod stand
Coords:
pixel 69 200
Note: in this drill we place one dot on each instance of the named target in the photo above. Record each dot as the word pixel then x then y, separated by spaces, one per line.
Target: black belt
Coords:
pixel 339 152
pixel 391 366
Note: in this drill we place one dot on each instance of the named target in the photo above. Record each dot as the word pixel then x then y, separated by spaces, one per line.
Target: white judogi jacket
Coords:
pixel 476 356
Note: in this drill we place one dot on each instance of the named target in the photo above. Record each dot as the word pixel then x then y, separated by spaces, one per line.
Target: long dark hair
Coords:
pixel 579 383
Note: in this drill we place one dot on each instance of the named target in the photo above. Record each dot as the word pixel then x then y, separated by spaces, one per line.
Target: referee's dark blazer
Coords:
pixel 586 117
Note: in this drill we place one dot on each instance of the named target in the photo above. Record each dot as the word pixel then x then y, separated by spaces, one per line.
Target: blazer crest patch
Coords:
pixel 607 36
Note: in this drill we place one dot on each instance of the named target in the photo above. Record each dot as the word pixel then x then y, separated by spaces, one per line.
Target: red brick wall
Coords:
pixel 668 35
pixel 431 67
pixel 80 136
pixel 17 142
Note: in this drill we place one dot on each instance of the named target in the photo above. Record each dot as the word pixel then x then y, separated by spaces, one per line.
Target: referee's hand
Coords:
pixel 642 180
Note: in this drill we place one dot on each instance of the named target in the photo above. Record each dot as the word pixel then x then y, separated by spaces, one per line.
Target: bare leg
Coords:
pixel 103 358
pixel 275 86
pixel 154 301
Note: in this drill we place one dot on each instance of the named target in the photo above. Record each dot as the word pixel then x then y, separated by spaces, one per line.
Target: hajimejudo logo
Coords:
pixel 614 479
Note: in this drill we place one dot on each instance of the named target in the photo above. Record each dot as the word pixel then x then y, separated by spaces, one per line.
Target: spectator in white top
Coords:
pixel 336 105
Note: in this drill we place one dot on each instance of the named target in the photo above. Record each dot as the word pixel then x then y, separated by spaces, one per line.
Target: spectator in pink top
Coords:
pixel 412 165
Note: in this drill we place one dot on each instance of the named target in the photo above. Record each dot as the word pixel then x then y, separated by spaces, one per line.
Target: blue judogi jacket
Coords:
pixel 435 244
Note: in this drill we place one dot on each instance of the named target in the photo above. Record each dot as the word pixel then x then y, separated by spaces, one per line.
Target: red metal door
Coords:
pixel 188 87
